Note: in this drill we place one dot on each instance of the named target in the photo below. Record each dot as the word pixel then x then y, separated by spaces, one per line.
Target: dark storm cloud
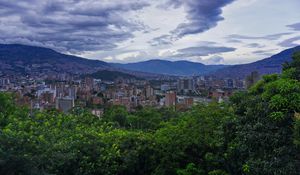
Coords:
pixel 295 26
pixel 68 25
pixel 203 51
pixel 202 15
pixel 290 42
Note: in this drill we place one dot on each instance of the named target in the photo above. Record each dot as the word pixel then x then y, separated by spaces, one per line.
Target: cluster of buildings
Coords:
pixel 64 92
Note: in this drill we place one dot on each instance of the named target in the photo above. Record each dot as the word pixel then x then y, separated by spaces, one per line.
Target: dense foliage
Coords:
pixel 258 132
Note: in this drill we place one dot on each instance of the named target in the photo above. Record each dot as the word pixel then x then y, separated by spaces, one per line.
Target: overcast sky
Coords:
pixel 207 31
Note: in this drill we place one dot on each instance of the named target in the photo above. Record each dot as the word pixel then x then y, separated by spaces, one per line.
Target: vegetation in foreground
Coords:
pixel 258 132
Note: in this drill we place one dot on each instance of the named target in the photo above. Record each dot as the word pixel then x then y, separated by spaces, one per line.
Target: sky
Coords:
pixel 124 31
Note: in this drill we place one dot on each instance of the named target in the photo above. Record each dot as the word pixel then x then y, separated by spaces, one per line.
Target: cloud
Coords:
pixel 123 56
pixel 268 52
pixel 214 60
pixel 291 42
pixel 130 56
pixel 207 43
pixel 202 51
pixel 234 41
pixel 254 45
pixel 266 37
pixel 295 26
pixel 161 40
pixel 202 15
pixel 69 25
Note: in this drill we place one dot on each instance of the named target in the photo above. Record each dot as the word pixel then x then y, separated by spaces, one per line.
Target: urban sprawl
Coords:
pixel 64 92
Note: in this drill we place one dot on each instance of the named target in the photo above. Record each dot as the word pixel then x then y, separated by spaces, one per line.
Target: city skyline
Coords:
pixel 210 32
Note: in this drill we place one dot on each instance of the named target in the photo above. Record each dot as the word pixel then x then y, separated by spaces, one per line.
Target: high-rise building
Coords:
pixel 185 85
pixel 65 104
pixel 230 83
pixel 170 99
pixel 72 92
pixel 4 81
pixel 188 101
pixel 149 92
pixel 89 83
pixel 252 79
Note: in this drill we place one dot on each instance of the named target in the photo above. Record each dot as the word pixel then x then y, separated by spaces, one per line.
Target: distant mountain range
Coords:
pixel 26 59
pixel 269 65
pixel 182 68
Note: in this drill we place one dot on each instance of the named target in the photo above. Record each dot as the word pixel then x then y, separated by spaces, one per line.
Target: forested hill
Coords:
pixel 256 133
pixel 182 68
pixel 22 58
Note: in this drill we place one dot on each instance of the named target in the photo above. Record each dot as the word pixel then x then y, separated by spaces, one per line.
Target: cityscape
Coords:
pixel 64 92
pixel 150 87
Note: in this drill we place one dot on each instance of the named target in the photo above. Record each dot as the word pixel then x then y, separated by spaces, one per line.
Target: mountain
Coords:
pixel 269 65
pixel 110 75
pixel 22 58
pixel 184 68
pixel 15 58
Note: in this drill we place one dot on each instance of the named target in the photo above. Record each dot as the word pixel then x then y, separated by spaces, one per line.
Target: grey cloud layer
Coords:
pixel 214 60
pixel 68 25
pixel 203 51
pixel 267 52
pixel 290 42
pixel 295 26
pixel 266 37
pixel 202 15
pixel 254 45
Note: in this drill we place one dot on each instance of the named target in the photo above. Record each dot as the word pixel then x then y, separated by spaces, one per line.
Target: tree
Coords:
pixel 264 134
pixel 116 114
pixel 292 69
pixel 195 142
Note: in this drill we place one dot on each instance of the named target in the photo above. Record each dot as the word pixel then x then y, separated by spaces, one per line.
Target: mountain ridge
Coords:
pixel 181 67
pixel 26 57
pixel 270 65
pixel 23 58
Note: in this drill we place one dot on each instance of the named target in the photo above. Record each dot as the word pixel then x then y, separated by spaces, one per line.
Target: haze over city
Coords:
pixel 206 31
